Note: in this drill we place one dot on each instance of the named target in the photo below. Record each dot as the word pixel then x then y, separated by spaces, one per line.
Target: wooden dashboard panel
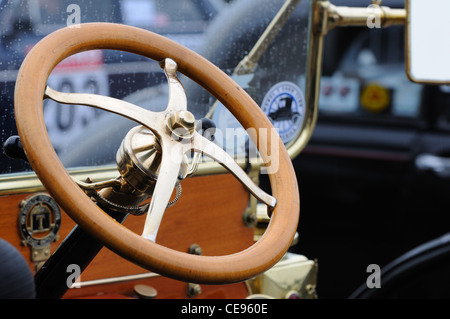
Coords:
pixel 209 214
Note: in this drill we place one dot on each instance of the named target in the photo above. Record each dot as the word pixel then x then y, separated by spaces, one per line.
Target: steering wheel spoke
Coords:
pixel 142 116
pixel 208 148
pixel 177 96
pixel 168 176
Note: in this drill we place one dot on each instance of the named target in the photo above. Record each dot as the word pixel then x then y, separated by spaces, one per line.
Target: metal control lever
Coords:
pixel 206 128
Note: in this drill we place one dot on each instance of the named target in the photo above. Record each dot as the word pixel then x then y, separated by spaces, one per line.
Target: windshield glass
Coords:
pixel 222 31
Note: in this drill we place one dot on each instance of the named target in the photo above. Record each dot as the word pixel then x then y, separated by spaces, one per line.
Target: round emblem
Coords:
pixel 284 105
pixel 39 220
pixel 375 98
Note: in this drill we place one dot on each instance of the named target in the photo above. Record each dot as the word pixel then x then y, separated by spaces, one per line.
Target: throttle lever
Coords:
pixel 206 128
pixel 13 148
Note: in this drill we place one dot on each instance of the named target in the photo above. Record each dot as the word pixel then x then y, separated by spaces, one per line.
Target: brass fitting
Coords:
pixel 181 124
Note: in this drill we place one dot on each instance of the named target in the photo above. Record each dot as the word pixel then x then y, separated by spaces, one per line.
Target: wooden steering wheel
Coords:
pixel 30 91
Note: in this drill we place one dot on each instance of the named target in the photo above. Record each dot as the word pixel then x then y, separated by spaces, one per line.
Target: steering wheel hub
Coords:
pixel 181 124
pixel 139 158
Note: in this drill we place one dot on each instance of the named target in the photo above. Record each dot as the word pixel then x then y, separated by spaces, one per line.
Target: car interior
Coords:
pixel 212 149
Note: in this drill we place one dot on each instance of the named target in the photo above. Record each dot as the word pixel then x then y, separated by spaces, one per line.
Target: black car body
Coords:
pixel 373 182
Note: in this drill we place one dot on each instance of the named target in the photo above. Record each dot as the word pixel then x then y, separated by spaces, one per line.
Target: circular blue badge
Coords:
pixel 284 105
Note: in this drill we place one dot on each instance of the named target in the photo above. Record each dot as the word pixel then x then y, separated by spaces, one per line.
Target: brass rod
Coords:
pixel 248 64
pixel 371 16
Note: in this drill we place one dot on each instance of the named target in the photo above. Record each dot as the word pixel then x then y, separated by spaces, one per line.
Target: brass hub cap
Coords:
pixel 181 124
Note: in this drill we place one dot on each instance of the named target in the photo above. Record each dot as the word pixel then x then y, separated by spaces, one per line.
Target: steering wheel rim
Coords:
pixel 243 265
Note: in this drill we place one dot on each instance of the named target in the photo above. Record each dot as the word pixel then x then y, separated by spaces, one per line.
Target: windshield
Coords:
pixel 222 31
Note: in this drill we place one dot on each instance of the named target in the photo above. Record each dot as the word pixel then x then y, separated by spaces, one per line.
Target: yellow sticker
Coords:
pixel 375 98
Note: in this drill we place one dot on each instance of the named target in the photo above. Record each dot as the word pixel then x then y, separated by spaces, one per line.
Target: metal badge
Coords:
pixel 39 222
